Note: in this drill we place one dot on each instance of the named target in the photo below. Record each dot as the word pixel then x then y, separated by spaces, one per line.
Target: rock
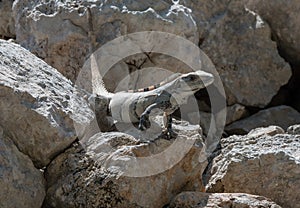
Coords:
pixel 284 20
pixel 38 106
pixel 239 43
pixel 58 31
pixel 295 129
pixel 22 185
pixel 270 130
pixel 206 200
pixel 235 112
pixel 259 164
pixel 7 23
pixel 117 170
pixel 282 116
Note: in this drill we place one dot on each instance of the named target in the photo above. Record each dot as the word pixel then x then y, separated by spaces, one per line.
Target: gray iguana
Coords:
pixel 135 106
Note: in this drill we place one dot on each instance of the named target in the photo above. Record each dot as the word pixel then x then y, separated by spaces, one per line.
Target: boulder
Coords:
pixel 235 112
pixel 39 107
pixel 284 20
pixel 239 43
pixel 7 23
pixel 265 162
pixel 22 185
pixel 208 200
pixel 64 33
pixel 283 116
pixel 117 170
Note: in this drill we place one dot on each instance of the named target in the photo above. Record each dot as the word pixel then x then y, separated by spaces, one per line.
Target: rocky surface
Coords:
pixel 207 200
pixel 282 18
pixel 117 170
pixel 7 23
pixel 42 114
pixel 265 162
pixel 64 43
pixel 22 185
pixel 283 116
pixel 38 106
pixel 238 42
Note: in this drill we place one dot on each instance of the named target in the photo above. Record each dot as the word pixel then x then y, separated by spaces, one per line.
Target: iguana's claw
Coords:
pixel 169 134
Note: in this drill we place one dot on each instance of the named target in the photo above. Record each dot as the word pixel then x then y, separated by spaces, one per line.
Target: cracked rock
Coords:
pixel 22 185
pixel 58 32
pixel 220 200
pixel 117 170
pixel 39 107
pixel 239 43
pixel 263 163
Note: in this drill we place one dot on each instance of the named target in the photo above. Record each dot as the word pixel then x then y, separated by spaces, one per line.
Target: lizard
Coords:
pixel 135 106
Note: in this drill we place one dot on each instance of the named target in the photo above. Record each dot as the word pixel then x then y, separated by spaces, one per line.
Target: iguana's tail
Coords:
pixel 97 79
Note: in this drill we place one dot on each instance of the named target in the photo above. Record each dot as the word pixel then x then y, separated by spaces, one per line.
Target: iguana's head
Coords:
pixel 193 81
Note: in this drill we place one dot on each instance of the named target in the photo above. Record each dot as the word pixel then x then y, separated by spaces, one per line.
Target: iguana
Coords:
pixel 135 106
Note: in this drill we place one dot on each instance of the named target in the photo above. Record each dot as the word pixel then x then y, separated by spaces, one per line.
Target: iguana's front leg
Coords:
pixel 145 122
pixel 168 126
pixel 144 119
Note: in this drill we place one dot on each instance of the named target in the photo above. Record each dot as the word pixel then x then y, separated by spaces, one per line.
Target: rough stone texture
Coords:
pixel 239 44
pixel 7 23
pixel 58 31
pixel 283 116
pixel 284 20
pixel 225 200
pixel 295 129
pixel 97 172
pixel 22 185
pixel 260 164
pixel 235 112
pixel 38 106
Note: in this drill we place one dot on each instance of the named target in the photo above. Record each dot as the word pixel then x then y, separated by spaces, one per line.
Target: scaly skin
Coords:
pixel 137 106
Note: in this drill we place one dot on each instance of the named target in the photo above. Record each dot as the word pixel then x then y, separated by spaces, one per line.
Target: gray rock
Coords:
pixel 239 44
pixel 209 200
pixel 116 170
pixel 295 129
pixel 7 23
pixel 38 106
pixel 283 116
pixel 259 164
pixel 235 112
pixel 22 185
pixel 58 31
pixel 284 20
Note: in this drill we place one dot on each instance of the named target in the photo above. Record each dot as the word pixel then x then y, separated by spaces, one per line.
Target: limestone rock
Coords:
pixel 58 31
pixel 117 170
pixel 239 43
pixel 282 116
pixel 295 129
pixel 259 164
pixel 38 106
pixel 22 185
pixel 284 20
pixel 207 200
pixel 7 24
